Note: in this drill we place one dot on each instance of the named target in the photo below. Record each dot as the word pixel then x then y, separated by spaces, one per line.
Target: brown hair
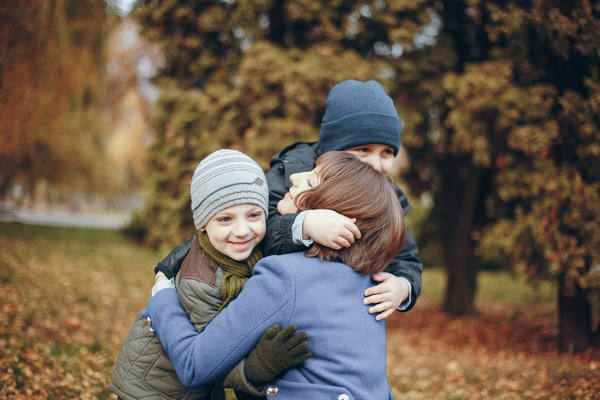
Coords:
pixel 355 189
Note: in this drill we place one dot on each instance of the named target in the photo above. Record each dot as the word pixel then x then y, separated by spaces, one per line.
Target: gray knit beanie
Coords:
pixel 223 179
pixel 359 113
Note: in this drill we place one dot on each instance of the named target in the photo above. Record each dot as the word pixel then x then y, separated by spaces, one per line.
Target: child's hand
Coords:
pixel 330 229
pixel 160 277
pixel 387 295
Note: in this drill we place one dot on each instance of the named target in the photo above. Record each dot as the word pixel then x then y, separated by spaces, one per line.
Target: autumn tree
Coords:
pixel 499 99
pixel 51 92
pixel 512 149
pixel 132 61
pixel 254 76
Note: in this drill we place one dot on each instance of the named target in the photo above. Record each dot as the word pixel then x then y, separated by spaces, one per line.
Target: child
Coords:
pixel 229 201
pixel 360 118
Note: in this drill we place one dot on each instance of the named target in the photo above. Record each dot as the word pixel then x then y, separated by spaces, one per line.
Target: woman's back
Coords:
pixel 347 343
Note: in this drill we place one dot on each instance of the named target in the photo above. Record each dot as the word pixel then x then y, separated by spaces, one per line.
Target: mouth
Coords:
pixel 241 244
pixel 288 196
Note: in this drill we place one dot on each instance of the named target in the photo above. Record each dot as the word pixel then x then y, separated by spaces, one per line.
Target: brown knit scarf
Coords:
pixel 236 272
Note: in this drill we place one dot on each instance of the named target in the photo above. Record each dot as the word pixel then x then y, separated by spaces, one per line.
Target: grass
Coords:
pixel 498 287
pixel 70 295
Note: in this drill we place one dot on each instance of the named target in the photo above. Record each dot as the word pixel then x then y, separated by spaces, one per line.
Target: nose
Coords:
pixel 241 229
pixel 374 160
pixel 295 179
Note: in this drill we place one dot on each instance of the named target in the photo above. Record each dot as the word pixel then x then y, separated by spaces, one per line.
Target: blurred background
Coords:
pixel 106 107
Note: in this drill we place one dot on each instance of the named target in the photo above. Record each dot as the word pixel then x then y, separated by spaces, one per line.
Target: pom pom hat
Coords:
pixel 223 179
pixel 359 113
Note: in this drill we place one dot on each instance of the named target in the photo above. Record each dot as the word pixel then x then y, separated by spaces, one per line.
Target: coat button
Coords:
pixel 272 391
pixel 343 396
pixel 149 322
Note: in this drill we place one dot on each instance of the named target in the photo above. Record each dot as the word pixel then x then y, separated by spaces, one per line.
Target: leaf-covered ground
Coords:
pixel 502 353
pixel 68 297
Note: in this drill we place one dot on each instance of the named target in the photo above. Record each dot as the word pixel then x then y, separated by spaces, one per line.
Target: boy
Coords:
pixel 229 196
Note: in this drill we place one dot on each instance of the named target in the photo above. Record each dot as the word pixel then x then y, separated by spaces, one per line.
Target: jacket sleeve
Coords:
pixel 407 265
pixel 236 379
pixel 278 238
pixel 171 264
pixel 202 358
pixel 201 302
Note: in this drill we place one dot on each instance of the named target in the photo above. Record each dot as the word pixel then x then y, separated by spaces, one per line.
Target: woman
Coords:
pixel 320 292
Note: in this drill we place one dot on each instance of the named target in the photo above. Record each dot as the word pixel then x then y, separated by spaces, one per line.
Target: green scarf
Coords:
pixel 236 272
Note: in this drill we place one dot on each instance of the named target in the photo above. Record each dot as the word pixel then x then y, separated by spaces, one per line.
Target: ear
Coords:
pixel 202 229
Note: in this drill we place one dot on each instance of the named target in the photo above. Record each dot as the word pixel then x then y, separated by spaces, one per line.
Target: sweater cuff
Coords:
pixel 297 230
pixel 158 286
pixel 406 302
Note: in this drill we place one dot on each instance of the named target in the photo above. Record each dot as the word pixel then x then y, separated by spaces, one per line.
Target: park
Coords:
pixel 107 110
pixel 70 295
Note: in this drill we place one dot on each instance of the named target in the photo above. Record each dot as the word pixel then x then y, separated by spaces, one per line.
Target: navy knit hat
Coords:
pixel 359 113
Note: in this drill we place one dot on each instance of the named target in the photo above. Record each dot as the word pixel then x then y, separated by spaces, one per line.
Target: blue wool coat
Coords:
pixel 323 299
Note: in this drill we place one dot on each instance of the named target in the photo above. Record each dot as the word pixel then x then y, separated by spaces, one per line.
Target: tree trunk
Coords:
pixel 459 193
pixel 4 187
pixel 574 320
pixel 461 278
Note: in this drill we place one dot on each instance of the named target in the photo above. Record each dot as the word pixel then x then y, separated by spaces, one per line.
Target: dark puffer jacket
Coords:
pixel 143 370
pixel 301 157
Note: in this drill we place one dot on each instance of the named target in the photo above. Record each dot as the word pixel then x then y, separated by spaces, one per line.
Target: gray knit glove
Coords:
pixel 277 351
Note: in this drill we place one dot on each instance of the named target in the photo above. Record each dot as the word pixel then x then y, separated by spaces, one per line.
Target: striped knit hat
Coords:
pixel 223 179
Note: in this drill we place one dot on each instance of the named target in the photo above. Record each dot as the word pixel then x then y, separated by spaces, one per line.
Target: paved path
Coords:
pixel 63 218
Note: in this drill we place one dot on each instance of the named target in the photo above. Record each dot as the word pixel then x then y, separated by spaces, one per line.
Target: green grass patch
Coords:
pixel 499 287
pixel 83 235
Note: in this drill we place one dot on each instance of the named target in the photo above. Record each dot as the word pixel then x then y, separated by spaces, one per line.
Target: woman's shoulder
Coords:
pixel 298 261
pixel 284 258
pixel 292 255
pixel 283 264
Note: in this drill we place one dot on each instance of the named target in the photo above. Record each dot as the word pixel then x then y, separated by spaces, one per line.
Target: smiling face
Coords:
pixel 300 182
pixel 237 230
pixel 380 156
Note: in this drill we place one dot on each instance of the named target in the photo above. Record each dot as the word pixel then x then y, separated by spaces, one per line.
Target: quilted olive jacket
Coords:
pixel 143 370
